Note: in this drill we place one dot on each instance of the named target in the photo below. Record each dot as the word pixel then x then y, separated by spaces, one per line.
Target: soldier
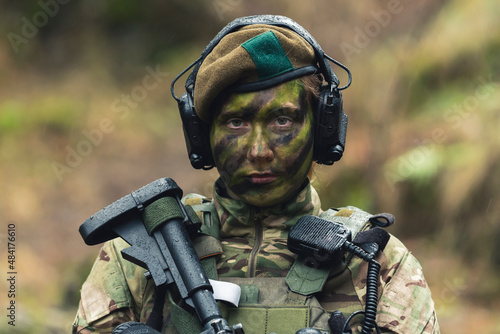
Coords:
pixel 266 106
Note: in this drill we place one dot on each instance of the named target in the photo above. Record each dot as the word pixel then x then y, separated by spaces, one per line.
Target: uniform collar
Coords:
pixel 236 216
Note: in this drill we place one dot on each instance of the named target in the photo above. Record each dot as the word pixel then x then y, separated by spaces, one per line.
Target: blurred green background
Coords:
pixel 83 122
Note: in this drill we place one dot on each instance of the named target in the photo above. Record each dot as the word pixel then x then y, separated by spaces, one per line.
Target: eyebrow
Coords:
pixel 287 108
pixel 239 113
pixel 290 109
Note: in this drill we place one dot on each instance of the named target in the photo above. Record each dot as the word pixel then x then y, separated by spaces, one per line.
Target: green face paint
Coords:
pixel 262 143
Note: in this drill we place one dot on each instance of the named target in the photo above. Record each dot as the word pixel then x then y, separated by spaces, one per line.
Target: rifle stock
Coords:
pixel 165 250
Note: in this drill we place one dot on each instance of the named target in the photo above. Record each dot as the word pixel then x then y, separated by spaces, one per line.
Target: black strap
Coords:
pixel 155 319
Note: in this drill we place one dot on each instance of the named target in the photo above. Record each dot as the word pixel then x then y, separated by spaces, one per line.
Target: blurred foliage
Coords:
pixel 51 114
pixel 423 141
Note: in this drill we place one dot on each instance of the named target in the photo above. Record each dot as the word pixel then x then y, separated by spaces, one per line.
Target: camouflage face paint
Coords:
pixel 262 143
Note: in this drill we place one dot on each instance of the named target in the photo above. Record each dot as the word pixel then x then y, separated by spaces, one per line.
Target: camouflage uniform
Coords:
pixel 254 251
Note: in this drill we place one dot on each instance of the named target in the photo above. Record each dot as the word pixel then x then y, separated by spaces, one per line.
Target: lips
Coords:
pixel 262 178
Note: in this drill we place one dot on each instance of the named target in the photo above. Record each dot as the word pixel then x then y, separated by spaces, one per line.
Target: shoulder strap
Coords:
pixel 207 245
pixel 352 217
pixel 206 211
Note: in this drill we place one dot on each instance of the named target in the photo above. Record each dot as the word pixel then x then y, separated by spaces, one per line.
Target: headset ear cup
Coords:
pixel 318 147
pixel 196 134
pixel 330 127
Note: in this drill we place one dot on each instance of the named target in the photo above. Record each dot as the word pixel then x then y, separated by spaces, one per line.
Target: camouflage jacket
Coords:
pixel 254 248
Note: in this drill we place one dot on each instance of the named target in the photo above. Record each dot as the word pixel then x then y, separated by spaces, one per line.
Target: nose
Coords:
pixel 259 150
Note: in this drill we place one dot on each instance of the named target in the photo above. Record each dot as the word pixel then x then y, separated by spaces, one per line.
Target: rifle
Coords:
pixel 156 224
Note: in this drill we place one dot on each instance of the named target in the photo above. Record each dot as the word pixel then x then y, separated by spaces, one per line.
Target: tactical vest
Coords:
pixel 268 305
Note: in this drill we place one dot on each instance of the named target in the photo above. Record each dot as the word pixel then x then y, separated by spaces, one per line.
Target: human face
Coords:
pixel 262 143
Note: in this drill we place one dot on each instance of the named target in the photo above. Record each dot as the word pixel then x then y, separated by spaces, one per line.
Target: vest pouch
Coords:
pixel 255 318
pixel 275 309
pixel 258 319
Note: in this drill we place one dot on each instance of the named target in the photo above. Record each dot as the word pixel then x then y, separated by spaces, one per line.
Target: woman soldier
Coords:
pixel 262 105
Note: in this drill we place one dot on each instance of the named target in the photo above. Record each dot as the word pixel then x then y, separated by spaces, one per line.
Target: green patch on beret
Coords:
pixel 254 54
pixel 268 55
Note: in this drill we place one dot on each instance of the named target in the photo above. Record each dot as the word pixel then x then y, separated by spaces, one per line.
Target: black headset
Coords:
pixel 330 120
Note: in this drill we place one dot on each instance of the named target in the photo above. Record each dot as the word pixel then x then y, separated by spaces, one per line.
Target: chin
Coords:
pixel 257 195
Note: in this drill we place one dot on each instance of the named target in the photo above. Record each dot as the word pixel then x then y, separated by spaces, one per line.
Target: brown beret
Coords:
pixel 254 55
